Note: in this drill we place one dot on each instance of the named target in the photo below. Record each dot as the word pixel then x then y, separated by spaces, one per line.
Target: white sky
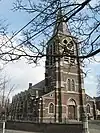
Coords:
pixel 22 74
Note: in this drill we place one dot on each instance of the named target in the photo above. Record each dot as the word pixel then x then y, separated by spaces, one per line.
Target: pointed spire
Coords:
pixel 61 26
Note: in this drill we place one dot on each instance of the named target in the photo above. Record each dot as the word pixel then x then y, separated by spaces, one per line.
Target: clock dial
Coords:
pixel 68 46
pixel 68 43
pixel 65 41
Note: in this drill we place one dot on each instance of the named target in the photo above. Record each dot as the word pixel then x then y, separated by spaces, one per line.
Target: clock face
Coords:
pixel 68 43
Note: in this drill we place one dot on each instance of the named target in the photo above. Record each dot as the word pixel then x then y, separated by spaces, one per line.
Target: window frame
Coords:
pixel 69 84
pixel 72 85
pixel 49 107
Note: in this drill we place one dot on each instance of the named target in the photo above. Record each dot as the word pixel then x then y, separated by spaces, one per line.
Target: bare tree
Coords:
pixel 5 91
pixel 83 19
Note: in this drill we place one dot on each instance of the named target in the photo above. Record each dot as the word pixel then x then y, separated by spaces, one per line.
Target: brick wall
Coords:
pixel 45 128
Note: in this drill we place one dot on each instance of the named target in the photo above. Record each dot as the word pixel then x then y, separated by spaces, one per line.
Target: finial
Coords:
pixel 60 26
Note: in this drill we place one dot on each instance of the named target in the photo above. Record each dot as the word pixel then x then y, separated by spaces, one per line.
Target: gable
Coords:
pixel 40 85
pixel 49 95
pixel 88 98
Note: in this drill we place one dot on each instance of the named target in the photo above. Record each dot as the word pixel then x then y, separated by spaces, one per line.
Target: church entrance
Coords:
pixel 72 109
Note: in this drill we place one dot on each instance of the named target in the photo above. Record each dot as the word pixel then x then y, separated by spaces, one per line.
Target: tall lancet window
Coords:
pixel 50 54
pixel 47 57
pixel 65 57
pixel 53 53
pixel 51 108
pixel 68 83
pixel 73 85
pixel 88 108
pixel 71 47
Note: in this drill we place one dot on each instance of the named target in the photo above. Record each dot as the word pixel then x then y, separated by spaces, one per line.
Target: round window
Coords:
pixel 65 41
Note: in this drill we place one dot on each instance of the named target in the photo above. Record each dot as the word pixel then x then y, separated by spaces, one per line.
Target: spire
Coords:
pixel 61 26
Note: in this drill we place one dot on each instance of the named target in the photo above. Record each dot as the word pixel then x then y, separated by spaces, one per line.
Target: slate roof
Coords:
pixel 40 85
pixel 97 98
pixel 61 26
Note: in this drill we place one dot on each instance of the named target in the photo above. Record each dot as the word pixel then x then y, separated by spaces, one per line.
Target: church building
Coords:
pixel 58 97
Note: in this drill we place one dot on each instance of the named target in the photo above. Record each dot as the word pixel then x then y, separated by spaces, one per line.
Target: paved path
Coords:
pixel 94 126
pixel 14 131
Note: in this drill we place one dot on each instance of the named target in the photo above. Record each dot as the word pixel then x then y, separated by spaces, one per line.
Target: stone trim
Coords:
pixel 48 107
pixel 67 92
pixel 48 93
pixel 49 97
pixel 62 83
pixel 73 100
pixel 40 110
pixel 72 92
pixel 69 73
pixel 56 105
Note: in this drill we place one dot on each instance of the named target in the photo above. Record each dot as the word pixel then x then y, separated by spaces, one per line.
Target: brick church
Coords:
pixel 57 97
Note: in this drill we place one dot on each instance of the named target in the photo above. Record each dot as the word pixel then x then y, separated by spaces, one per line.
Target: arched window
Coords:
pixel 73 85
pixel 51 108
pixel 51 54
pixel 69 88
pixel 71 102
pixel 88 108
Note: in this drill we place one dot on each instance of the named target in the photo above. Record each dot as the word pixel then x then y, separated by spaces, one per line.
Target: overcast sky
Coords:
pixel 22 73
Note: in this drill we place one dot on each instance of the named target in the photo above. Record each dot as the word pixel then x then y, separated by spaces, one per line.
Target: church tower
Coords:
pixel 61 72
pixel 62 42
